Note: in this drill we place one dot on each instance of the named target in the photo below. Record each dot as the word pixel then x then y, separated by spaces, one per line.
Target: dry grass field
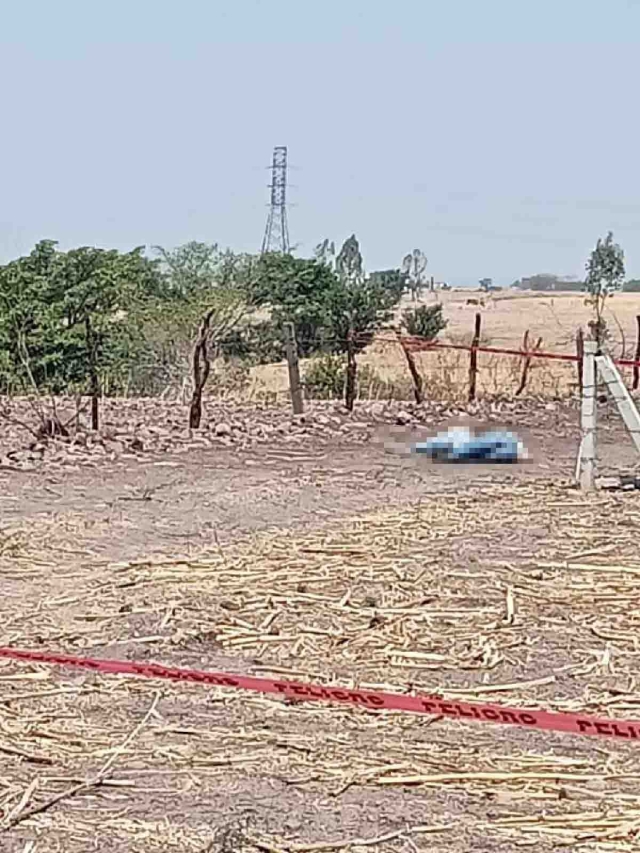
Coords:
pixel 554 317
pixel 316 549
pixel 344 564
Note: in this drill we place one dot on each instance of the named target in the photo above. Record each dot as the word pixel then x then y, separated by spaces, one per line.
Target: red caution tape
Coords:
pixel 579 724
pixel 417 344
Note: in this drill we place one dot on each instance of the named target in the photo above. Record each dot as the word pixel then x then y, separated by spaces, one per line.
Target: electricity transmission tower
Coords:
pixel 276 234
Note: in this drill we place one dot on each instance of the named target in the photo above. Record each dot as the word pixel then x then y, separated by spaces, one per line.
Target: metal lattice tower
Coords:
pixel 276 234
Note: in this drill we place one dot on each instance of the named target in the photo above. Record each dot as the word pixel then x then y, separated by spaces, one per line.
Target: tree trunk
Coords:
pixel 527 362
pixel 418 387
pixel 94 380
pixel 201 364
pixel 352 369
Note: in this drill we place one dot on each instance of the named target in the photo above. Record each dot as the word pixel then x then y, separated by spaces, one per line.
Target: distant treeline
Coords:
pixel 546 282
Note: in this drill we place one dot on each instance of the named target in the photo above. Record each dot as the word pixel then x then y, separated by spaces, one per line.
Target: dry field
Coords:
pixel 347 564
pixel 554 317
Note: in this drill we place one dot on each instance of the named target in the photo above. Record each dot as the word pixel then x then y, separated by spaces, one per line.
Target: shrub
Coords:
pixel 426 321
pixel 324 377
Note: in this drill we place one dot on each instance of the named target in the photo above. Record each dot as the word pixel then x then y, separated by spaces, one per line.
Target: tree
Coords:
pixel 207 299
pixel 229 308
pixel 66 317
pixel 325 253
pixel 547 281
pixel 95 293
pixel 195 269
pixel 392 280
pixel 414 265
pixel 358 306
pixel 425 322
pixel 605 276
pixel 349 262
pixel 32 356
pixel 295 290
pixel 486 284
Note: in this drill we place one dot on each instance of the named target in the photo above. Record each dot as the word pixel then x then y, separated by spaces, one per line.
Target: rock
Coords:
pixel 403 418
pixel 115 447
pixel 136 444
pixel 222 429
pixel 51 427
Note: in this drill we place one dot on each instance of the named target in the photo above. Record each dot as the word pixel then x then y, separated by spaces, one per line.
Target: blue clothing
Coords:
pixel 459 445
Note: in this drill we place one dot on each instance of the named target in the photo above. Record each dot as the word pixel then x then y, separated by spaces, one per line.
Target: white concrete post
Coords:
pixel 623 399
pixel 587 457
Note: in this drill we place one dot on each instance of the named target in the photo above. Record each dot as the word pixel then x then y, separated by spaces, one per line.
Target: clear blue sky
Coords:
pixel 501 136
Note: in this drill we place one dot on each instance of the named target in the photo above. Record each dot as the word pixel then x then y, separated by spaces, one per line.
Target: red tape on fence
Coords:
pixel 579 724
pixel 416 344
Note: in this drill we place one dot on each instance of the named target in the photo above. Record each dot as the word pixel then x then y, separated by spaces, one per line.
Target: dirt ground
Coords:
pixel 349 565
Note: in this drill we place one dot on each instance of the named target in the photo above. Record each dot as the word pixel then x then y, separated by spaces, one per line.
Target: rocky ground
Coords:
pixel 130 428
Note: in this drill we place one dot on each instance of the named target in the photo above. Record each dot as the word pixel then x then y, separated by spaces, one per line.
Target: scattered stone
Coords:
pixel 52 427
pixel 625 483
pixel 160 426
pixel 403 418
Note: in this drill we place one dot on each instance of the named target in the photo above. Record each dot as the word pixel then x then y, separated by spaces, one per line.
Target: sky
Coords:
pixel 501 137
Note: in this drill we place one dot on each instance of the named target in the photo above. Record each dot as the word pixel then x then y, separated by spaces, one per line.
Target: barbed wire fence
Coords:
pixel 506 370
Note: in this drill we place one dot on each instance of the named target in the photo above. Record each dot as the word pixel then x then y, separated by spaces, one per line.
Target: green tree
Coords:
pixel 325 253
pixel 96 293
pixel 195 269
pixel 414 265
pixel 33 356
pixel 425 322
pixel 296 291
pixel 357 306
pixel 66 317
pixel 605 276
pixel 207 302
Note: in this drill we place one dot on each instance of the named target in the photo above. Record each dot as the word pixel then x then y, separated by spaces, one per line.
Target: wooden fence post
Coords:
pixel 418 385
pixel 580 354
pixel 473 359
pixel 636 369
pixel 295 387
pixel 352 370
